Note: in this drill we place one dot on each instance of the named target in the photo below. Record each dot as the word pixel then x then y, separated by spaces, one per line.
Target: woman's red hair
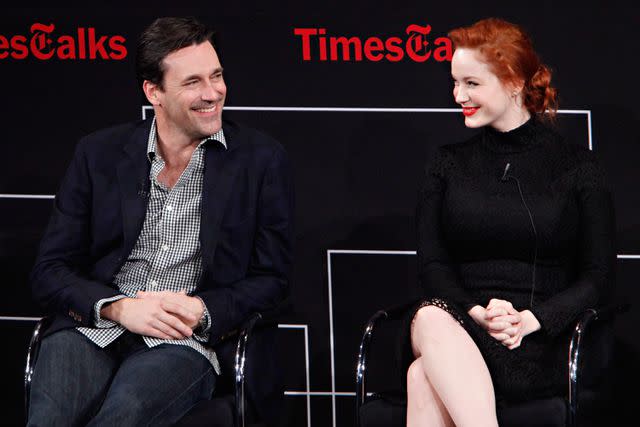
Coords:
pixel 509 52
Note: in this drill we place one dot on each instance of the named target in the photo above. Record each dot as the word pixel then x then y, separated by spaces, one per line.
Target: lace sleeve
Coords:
pixel 436 268
pixel 596 249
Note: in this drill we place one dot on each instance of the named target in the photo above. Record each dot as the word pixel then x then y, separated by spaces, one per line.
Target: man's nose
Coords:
pixel 211 90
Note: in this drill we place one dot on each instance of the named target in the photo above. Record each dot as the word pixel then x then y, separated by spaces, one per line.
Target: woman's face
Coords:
pixel 484 99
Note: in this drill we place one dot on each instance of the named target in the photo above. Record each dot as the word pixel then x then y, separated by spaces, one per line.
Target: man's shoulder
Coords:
pixel 248 138
pixel 116 136
pixel 109 145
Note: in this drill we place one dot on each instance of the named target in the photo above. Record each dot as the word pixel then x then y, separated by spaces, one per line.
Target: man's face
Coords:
pixel 191 100
pixel 484 99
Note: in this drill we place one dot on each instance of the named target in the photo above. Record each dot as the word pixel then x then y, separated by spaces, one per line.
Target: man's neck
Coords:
pixel 175 147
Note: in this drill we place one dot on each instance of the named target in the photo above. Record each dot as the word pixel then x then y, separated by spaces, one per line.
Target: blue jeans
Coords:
pixel 77 383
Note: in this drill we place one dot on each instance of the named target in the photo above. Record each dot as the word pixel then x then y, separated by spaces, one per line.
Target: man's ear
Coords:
pixel 151 92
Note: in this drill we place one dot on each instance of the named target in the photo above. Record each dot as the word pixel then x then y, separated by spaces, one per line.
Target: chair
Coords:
pixel 231 405
pixel 580 406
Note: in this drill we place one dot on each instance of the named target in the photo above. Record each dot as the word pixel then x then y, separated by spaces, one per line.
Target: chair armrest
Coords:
pixel 582 326
pixel 32 355
pixel 391 313
pixel 364 352
pixel 398 311
pixel 241 349
pixel 609 312
pixel 361 367
pixel 269 317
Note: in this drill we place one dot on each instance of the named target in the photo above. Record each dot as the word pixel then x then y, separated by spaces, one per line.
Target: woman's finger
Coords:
pixel 499 326
pixel 495 312
pixel 499 336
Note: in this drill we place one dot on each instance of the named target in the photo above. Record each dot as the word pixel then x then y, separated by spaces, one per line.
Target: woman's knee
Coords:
pixel 419 390
pixel 430 323
pixel 432 320
pixel 434 315
pixel 415 374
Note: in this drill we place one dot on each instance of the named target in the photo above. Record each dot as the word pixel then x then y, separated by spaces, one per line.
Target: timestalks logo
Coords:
pixel 318 45
pixel 43 45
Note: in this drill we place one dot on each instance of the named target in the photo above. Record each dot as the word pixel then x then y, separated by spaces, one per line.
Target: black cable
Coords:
pixel 535 237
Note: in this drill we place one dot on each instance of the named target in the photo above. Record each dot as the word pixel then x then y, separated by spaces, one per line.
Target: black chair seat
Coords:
pixel 217 412
pixel 388 409
pixel 536 413
pixel 554 411
pixel 231 407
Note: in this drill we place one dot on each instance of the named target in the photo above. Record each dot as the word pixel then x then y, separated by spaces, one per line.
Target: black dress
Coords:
pixel 476 242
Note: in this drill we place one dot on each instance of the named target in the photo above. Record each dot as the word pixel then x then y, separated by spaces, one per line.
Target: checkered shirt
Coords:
pixel 166 256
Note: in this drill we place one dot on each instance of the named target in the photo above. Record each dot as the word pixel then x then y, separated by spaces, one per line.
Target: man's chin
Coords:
pixel 211 127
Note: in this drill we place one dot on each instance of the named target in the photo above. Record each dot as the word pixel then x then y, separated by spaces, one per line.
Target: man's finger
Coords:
pixel 158 333
pixel 165 324
pixel 179 310
pixel 176 324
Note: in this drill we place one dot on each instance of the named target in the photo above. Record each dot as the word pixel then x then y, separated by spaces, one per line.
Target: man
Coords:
pixel 165 235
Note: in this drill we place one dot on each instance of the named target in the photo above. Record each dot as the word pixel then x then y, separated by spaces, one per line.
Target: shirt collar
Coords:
pixel 152 142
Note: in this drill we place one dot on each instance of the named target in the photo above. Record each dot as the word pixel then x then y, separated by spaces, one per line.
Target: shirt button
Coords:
pixel 169 208
pixel 165 247
pixel 153 284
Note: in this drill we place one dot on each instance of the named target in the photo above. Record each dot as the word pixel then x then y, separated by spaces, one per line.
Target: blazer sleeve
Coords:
pixel 266 284
pixel 437 272
pixel 59 279
pixel 597 253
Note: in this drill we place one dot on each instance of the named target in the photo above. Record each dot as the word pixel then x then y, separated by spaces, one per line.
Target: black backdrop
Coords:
pixel 358 132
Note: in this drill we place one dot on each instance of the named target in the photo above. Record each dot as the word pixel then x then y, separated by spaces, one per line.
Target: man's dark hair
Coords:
pixel 163 36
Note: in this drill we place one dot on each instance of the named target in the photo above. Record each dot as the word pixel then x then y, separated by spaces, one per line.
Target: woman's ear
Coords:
pixel 515 88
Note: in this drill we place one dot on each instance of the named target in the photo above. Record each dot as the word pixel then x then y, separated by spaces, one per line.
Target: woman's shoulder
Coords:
pixel 574 154
pixel 579 154
pixel 446 158
pixel 462 146
pixel 459 150
pixel 579 164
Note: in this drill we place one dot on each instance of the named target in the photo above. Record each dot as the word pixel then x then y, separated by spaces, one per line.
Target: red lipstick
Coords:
pixel 469 111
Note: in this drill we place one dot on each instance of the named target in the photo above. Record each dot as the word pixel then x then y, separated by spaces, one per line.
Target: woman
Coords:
pixel 515 230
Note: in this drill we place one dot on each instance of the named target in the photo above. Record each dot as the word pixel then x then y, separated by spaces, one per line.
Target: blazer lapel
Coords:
pixel 219 173
pixel 133 179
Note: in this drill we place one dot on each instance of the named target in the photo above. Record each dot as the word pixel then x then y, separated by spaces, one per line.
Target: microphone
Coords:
pixel 506 170
pixel 143 190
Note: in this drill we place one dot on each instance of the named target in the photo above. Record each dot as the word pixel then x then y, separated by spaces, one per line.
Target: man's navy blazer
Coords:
pixel 246 231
